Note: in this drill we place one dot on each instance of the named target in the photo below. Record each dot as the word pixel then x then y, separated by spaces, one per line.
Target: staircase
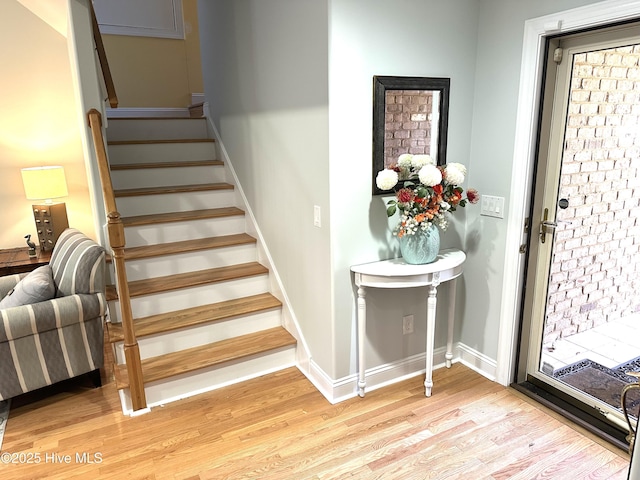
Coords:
pixel 204 314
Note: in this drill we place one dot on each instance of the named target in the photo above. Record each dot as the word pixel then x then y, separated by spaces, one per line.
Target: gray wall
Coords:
pixel 497 77
pixel 283 78
pixel 377 37
pixel 265 68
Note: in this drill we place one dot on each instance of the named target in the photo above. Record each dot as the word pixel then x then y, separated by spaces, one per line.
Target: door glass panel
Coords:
pixel 591 332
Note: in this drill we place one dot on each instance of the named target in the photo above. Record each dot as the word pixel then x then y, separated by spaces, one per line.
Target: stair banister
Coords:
pixel 102 57
pixel 115 230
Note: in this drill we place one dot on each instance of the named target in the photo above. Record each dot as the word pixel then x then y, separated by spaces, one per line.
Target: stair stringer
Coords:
pixel 289 319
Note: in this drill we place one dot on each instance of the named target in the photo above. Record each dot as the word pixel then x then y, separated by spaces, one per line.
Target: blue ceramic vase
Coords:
pixel 422 247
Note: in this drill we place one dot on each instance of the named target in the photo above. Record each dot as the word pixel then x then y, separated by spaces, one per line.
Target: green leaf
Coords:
pixel 391 210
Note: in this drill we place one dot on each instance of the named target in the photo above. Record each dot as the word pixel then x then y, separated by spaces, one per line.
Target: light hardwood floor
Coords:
pixel 280 427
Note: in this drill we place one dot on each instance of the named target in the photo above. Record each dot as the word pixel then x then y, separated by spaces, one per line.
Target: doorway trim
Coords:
pixel 535 32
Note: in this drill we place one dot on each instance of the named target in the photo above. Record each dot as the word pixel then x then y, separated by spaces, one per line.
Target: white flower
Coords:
pixel 455 173
pixel 430 175
pixel 404 160
pixel 420 161
pixel 386 179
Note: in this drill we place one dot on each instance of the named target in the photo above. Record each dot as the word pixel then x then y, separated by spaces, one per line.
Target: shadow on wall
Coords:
pixel 474 284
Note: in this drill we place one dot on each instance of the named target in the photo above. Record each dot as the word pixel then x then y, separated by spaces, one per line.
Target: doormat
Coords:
pixel 4 416
pixel 603 383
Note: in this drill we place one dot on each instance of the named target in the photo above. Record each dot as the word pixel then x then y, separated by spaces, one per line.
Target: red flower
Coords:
pixel 438 189
pixel 405 195
pixel 473 195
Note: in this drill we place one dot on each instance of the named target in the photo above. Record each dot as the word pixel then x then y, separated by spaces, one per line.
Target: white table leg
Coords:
pixel 362 327
pixel 431 328
pixel 452 307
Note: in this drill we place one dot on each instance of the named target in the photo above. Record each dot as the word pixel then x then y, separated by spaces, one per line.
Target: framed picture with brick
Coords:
pixel 410 115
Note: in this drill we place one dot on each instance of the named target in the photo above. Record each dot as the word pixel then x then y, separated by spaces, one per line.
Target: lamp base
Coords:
pixel 51 220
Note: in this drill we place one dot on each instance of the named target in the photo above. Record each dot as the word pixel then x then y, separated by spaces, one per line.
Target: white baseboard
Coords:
pixel 197 98
pixel 485 366
pixel 336 391
pixel 137 112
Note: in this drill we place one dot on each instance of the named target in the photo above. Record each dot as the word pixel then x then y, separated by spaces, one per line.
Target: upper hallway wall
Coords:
pixel 157 72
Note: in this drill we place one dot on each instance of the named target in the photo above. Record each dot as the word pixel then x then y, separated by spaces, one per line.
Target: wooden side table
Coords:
pixel 17 260
pixel 396 273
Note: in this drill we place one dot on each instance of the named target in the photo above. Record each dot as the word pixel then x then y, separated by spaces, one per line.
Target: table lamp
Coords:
pixel 45 184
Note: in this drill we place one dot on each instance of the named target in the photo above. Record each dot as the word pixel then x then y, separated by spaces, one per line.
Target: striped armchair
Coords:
pixel 49 341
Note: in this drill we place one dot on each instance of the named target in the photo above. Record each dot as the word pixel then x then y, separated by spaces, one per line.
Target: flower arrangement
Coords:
pixel 428 192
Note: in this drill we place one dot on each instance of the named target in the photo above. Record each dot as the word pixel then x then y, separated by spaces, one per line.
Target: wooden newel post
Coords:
pixel 131 348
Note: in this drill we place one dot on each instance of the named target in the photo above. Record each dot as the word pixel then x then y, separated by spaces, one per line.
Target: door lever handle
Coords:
pixel 546 226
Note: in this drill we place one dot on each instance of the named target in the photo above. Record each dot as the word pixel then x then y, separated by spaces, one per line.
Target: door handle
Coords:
pixel 546 226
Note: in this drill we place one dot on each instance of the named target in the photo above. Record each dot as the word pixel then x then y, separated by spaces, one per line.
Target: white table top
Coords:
pixel 396 273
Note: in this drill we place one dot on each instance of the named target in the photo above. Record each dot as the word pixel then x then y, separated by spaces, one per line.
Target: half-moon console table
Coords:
pixel 396 273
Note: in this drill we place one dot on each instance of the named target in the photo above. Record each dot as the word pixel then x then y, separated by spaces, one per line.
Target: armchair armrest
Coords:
pixel 50 315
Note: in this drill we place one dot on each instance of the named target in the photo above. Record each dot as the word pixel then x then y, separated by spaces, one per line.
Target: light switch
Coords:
pixel 491 206
pixel 317 216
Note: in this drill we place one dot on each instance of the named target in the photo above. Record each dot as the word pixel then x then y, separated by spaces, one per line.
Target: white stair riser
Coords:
pixel 178 231
pixel 170 301
pixel 190 261
pixel 212 378
pixel 156 345
pixel 166 177
pixel 174 202
pixel 161 152
pixel 156 129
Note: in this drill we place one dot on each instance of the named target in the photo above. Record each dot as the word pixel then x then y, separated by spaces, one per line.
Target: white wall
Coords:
pixel 265 75
pixel 38 122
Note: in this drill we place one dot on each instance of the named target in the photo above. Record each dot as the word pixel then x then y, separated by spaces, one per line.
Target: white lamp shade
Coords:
pixel 44 183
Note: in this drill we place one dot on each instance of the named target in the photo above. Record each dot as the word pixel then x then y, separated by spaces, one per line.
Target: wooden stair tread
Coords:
pixel 190 163
pixel 190 279
pixel 181 216
pixel 218 353
pixel 172 248
pixel 151 142
pixel 166 322
pixel 199 187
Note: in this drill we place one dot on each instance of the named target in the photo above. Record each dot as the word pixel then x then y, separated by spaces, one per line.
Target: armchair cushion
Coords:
pixel 36 287
pixel 77 263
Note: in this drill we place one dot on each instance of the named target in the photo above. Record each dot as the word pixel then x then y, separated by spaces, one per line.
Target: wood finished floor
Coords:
pixel 280 427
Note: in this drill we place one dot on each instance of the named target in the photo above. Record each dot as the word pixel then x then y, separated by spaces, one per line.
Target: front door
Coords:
pixel 582 294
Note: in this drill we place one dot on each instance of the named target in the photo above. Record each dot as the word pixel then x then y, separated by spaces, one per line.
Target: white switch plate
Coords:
pixel 492 206
pixel 317 216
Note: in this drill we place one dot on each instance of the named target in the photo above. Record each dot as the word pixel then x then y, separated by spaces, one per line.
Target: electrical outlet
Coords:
pixel 407 324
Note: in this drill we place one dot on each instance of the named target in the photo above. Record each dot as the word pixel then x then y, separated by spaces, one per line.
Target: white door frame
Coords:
pixel 535 31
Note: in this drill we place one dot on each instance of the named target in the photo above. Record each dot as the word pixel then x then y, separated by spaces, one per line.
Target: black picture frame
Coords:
pixel 383 83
